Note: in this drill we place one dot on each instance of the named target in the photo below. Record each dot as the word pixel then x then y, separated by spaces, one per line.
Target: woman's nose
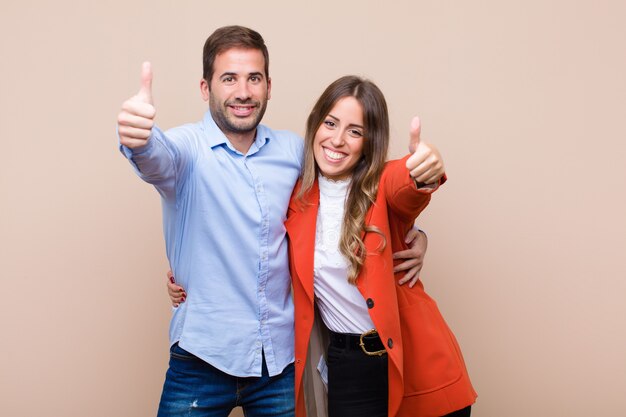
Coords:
pixel 337 138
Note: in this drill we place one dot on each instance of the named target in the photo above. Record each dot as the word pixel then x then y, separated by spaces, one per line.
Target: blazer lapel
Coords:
pixel 300 224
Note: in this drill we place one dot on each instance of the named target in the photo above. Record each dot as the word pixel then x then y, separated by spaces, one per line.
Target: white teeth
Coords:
pixel 334 155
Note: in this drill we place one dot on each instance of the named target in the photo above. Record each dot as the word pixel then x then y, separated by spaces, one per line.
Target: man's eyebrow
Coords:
pixel 235 74
pixel 352 124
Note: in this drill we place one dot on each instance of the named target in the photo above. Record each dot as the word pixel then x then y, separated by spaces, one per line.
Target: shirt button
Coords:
pixel 390 343
pixel 370 303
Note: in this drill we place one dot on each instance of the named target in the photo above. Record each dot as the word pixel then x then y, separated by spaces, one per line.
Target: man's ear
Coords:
pixel 269 88
pixel 204 89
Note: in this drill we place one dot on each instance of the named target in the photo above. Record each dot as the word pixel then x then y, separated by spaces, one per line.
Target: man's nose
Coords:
pixel 243 91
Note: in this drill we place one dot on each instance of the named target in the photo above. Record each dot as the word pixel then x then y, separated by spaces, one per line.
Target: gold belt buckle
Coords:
pixel 362 344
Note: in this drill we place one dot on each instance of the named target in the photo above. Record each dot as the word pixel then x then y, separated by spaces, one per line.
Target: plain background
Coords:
pixel 525 99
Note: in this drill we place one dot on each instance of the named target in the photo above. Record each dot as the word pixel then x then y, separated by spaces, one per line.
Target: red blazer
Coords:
pixel 427 375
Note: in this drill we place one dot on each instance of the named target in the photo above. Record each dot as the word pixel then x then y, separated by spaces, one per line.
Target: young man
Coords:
pixel 225 184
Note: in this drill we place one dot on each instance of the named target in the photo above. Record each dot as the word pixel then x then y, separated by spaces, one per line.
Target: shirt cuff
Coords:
pixel 130 152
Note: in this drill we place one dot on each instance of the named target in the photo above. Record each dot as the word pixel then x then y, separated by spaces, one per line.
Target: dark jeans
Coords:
pixel 358 385
pixel 195 388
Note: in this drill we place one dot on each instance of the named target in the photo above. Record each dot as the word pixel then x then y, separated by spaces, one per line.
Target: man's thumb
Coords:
pixel 416 129
pixel 145 93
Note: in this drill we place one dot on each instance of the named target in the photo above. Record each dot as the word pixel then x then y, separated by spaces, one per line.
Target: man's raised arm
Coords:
pixel 155 157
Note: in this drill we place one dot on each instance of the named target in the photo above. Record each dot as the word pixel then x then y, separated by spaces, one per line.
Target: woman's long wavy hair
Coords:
pixel 366 173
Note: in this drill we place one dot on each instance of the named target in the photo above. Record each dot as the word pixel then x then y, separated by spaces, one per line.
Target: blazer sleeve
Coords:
pixel 403 198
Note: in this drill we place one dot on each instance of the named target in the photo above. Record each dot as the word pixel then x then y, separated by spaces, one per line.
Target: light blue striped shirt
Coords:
pixel 223 215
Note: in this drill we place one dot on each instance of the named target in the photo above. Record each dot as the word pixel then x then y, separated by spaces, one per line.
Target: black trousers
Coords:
pixel 358 384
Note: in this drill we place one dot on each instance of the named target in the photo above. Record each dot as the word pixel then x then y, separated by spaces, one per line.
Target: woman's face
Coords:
pixel 338 142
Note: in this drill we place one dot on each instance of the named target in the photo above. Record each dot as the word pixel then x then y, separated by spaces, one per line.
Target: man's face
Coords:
pixel 238 92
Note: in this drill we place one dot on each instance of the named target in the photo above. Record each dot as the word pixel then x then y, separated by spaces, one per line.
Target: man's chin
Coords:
pixel 243 128
pixel 244 125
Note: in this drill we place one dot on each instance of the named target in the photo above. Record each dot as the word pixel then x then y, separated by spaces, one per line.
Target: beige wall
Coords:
pixel 525 99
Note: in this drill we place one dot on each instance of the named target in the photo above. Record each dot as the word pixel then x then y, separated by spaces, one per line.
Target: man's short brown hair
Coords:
pixel 229 37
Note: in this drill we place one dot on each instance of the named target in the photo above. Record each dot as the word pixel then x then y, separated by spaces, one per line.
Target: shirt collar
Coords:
pixel 215 137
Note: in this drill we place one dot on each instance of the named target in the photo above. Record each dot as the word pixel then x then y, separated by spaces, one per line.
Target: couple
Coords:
pixel 226 184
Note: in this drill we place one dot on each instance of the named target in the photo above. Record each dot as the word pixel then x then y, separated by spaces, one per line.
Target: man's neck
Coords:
pixel 241 141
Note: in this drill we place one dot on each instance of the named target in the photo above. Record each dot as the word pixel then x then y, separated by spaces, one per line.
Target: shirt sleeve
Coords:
pixel 160 162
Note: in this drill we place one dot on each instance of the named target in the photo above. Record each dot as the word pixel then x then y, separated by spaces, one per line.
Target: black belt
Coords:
pixel 368 342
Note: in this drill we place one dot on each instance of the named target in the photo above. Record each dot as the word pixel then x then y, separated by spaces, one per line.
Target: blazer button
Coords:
pixel 370 303
pixel 390 343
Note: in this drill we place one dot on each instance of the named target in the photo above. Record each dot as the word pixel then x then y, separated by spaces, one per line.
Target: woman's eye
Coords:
pixel 329 123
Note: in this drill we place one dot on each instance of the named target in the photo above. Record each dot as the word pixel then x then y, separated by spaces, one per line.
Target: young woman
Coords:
pixel 388 350
pixel 349 212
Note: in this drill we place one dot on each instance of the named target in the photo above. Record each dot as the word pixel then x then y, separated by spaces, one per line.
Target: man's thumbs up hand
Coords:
pixel 425 164
pixel 135 121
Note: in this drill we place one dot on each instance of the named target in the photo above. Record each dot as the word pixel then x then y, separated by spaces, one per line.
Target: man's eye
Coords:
pixel 228 79
pixel 255 79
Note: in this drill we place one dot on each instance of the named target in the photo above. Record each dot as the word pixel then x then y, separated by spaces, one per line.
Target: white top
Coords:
pixel 340 303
